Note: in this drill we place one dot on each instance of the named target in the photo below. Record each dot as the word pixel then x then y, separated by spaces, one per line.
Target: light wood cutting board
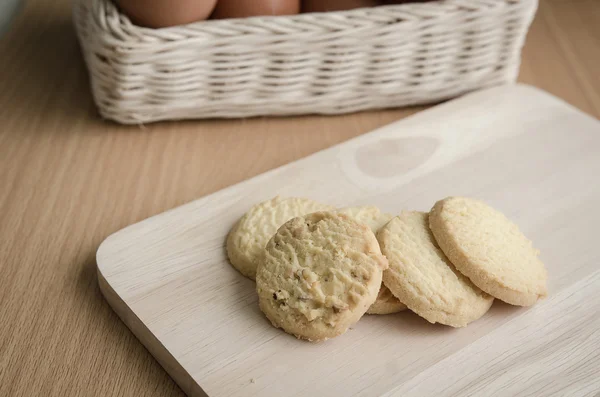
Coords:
pixel 525 152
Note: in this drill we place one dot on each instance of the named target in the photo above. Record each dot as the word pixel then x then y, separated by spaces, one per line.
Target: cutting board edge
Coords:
pixel 143 333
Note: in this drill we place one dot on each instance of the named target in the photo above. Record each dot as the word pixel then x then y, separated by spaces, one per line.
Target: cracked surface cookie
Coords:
pixel 247 239
pixel 386 302
pixel 489 249
pixel 423 278
pixel 320 274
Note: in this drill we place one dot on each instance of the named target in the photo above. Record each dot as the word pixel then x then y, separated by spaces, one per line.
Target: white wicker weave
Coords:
pixel 323 63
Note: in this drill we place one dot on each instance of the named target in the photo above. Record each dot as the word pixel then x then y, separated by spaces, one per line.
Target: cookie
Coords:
pixel 489 249
pixel 247 239
pixel 386 302
pixel 369 215
pixel 423 278
pixel 320 274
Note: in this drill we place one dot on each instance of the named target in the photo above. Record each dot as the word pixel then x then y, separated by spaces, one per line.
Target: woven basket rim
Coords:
pixel 120 25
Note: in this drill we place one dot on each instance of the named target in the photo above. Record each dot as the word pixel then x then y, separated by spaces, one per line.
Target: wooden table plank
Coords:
pixel 68 180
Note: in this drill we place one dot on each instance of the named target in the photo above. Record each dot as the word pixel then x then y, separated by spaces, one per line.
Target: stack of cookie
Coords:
pixel 318 269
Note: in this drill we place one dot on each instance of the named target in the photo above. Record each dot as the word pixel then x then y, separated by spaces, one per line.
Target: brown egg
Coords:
pixel 335 5
pixel 388 2
pixel 163 13
pixel 251 8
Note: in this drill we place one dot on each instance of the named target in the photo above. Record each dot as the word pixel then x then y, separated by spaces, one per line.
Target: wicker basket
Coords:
pixel 324 63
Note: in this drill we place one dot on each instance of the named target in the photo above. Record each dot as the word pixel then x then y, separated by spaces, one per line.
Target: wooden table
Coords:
pixel 69 179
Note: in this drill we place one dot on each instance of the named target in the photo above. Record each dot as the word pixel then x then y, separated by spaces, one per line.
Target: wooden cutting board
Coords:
pixel 523 151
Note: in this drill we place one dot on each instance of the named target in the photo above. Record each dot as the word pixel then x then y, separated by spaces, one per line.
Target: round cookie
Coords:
pixel 320 274
pixel 247 239
pixel 369 215
pixel 421 276
pixel 489 249
pixel 386 302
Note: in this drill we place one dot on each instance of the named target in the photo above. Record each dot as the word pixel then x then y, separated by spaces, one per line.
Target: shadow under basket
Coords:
pixel 318 63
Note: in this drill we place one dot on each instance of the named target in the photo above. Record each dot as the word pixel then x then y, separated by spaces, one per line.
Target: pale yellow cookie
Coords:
pixel 372 216
pixel 369 215
pixel 386 303
pixel 489 249
pixel 320 274
pixel 423 278
pixel 247 239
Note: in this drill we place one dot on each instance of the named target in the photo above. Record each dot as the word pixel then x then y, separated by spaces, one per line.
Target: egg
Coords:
pixel 251 8
pixel 335 5
pixel 388 2
pixel 341 5
pixel 163 13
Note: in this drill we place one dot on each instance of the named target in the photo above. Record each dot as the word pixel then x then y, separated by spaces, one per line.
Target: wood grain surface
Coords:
pixel 69 179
